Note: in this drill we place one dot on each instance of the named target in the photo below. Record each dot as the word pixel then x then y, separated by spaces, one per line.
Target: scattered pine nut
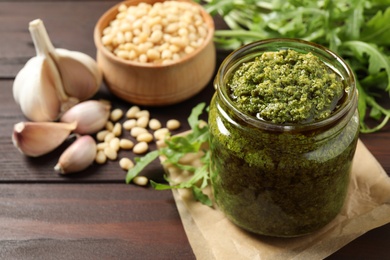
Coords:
pixel 140 180
pixel 101 135
pixel 135 131
pixel 154 124
pixel 110 153
pixel 126 144
pixel 145 137
pixel 126 163
pixel 114 143
pixel 143 121
pixel 109 125
pixel 161 133
pixel 101 157
pixel 140 148
pixel 116 114
pixel 117 129
pixel 129 124
pixel 101 146
pixel 108 137
pixel 173 124
pixel 142 113
pixel 132 111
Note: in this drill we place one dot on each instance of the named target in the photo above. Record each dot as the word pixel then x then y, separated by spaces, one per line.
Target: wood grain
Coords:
pixel 89 221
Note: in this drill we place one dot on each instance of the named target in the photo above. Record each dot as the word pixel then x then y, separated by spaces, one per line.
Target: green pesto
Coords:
pixel 286 87
pixel 281 183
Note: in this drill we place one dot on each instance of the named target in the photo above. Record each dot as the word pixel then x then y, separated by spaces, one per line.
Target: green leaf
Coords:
pixel 355 20
pixel 193 119
pixel 377 30
pixel 375 113
pixel 377 59
pixel 160 186
pixel 201 197
pixel 141 164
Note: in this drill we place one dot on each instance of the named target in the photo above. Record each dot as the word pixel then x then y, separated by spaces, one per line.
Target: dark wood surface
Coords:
pixel 94 214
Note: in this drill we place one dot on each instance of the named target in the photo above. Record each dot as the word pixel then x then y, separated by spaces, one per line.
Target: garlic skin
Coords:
pixel 78 156
pixel 55 79
pixel 38 138
pixel 91 116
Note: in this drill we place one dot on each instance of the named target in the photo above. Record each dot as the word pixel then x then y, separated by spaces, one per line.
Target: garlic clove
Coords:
pixel 71 63
pixel 38 138
pixel 38 87
pixel 91 116
pixel 35 91
pixel 78 156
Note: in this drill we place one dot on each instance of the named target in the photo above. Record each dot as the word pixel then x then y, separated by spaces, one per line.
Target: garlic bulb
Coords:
pixel 78 156
pixel 55 79
pixel 91 116
pixel 38 89
pixel 39 138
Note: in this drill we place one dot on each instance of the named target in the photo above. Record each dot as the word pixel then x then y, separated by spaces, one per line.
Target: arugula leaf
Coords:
pixel 141 163
pixel 377 59
pixel 377 30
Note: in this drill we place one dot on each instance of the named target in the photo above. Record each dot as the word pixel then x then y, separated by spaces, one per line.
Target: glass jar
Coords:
pixel 281 180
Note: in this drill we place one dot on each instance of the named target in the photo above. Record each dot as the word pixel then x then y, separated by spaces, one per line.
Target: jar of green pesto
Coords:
pixel 283 132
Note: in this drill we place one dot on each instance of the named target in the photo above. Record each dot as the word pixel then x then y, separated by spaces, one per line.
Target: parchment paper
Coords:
pixel 212 236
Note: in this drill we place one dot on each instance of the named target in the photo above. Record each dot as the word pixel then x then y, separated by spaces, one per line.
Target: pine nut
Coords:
pixel 135 131
pixel 132 112
pixel 154 124
pixel 109 125
pixel 117 129
pixel 126 144
pixel 142 113
pixel 126 163
pixel 114 144
pixel 161 133
pixel 100 158
pixel 116 114
pixel 101 146
pixel 145 137
pixel 101 135
pixel 143 121
pixel 129 124
pixel 109 136
pixel 140 148
pixel 140 180
pixel 110 153
pixel 173 124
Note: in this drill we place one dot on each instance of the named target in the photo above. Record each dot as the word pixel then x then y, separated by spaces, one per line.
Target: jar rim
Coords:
pixel 237 57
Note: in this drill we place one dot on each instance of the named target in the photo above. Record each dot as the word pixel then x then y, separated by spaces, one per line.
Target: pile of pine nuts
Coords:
pixel 142 129
pixel 160 33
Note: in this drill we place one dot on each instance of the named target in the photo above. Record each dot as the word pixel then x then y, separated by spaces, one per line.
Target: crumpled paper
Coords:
pixel 213 236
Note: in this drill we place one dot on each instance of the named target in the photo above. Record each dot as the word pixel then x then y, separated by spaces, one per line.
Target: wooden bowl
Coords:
pixel 156 84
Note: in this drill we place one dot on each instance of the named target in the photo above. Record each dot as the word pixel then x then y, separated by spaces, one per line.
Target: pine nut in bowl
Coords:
pixel 156 53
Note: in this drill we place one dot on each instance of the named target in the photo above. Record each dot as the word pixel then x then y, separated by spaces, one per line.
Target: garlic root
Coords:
pixel 78 156
pixel 38 138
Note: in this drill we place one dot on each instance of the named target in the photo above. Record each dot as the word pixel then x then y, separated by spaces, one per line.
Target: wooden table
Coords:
pixel 94 214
